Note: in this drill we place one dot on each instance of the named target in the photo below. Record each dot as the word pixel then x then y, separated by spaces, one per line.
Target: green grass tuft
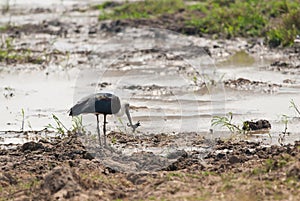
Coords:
pixel 142 9
pixel 277 21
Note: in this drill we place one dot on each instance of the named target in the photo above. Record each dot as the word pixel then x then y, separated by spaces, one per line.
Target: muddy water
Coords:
pixel 164 101
pixel 173 86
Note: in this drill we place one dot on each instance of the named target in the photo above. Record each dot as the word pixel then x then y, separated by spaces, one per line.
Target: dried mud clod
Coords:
pixel 285 67
pixel 248 85
pixel 258 125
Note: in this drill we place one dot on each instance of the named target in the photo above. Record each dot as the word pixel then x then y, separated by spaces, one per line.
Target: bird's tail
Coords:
pixel 70 112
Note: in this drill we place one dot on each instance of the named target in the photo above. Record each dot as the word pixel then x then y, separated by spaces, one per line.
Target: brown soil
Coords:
pixel 64 170
pixel 285 67
pixel 248 85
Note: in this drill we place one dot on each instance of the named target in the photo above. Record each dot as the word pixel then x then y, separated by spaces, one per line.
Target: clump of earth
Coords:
pixel 63 169
pixel 66 169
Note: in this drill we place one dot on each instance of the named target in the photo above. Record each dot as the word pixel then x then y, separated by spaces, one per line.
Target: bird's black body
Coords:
pixel 99 103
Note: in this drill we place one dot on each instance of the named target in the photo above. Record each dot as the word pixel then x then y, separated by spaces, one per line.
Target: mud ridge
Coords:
pixel 63 169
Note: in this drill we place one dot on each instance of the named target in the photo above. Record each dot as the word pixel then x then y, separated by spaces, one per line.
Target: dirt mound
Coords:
pixel 174 22
pixel 256 125
pixel 285 67
pixel 60 183
pixel 64 170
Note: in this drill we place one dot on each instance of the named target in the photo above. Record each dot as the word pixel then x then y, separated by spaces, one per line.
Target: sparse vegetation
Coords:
pixel 77 125
pixel 226 121
pixel 61 129
pixel 204 170
pixel 10 54
pixel 295 107
pixel 141 9
pixel 277 21
pixel 257 175
pixel 285 121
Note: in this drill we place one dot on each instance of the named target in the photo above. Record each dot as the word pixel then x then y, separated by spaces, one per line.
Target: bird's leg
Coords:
pixel 97 115
pixel 104 129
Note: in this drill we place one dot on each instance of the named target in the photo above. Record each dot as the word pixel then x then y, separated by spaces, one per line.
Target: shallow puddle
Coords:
pixel 172 107
pixel 155 71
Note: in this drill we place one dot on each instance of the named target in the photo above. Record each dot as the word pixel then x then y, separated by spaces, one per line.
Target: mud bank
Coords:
pixel 192 74
pixel 63 169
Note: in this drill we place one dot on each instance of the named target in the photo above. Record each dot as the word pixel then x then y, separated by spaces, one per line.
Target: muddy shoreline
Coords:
pixel 64 170
pixel 47 46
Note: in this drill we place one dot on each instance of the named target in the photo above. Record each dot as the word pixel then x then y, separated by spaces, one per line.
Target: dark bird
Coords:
pixel 102 103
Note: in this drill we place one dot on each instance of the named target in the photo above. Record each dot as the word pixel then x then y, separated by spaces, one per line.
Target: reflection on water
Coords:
pixel 238 59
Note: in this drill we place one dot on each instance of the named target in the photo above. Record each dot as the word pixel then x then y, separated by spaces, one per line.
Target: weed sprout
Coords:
pixel 226 121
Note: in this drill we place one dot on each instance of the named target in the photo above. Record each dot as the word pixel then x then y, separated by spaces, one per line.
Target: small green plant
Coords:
pixel 77 125
pixel 226 121
pixel 105 5
pixel 207 173
pixel 285 121
pixel 195 80
pixel 114 140
pixel 294 106
pixel 59 128
pixel 173 175
pixel 271 164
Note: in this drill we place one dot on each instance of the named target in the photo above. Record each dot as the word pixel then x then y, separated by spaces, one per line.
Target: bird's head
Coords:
pixel 133 126
pixel 125 108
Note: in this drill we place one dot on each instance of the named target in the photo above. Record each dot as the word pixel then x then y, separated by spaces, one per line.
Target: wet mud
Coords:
pixel 255 86
pixel 150 165
pixel 63 169
pixel 285 67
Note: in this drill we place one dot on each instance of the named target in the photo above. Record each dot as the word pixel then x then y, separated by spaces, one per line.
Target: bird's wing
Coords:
pixel 85 105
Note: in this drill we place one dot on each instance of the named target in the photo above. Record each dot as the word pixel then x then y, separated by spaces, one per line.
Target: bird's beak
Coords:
pixel 129 117
pixel 130 120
